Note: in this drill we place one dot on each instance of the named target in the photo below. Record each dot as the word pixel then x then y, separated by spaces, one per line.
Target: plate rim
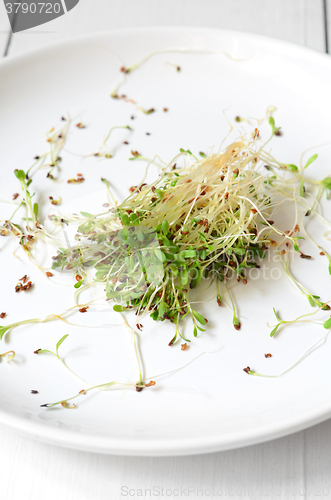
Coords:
pixel 161 447
pixel 77 39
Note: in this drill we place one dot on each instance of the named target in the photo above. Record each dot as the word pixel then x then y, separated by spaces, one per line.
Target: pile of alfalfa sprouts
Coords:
pixel 211 218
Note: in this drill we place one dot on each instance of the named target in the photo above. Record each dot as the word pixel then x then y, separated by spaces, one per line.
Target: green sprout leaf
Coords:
pixel 160 193
pixel 3 330
pixel 160 255
pixel 125 219
pixel 188 254
pixel 60 342
pixel 274 331
pixel 119 308
pixel 43 351
pixel 278 319
pixel 327 324
pixel 239 251
pixel 199 318
pixel 162 309
pixel 36 210
pixel 310 300
pixel 311 160
pixel 184 276
pixel 165 227
pixel 20 174
pixel 203 237
pixel 326 182
pixel 203 254
pixel 78 284
pixel 291 167
pixel 154 315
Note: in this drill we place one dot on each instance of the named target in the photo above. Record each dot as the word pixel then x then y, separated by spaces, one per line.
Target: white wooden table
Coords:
pixel 298 466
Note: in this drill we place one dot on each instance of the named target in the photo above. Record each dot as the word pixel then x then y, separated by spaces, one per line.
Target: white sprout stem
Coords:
pixel 135 346
pixel 309 351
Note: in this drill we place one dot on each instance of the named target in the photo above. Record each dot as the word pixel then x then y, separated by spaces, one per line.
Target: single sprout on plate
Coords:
pixel 104 151
pixel 51 159
pixel 302 318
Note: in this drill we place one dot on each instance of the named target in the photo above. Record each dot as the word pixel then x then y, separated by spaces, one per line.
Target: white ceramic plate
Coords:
pixel 212 404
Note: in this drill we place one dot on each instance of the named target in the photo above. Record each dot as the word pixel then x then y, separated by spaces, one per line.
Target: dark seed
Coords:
pixel 150 384
pixel 303 256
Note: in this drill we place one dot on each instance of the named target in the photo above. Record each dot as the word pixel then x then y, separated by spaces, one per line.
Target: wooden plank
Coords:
pixel 328 24
pixel 4 29
pixel 295 467
pixel 292 20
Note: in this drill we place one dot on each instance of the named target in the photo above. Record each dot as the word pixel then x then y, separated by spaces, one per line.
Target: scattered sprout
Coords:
pixel 10 355
pixel 147 111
